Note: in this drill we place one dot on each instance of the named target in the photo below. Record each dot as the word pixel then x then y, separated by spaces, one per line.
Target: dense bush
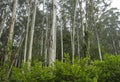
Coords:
pixel 83 70
pixel 37 73
pixel 109 69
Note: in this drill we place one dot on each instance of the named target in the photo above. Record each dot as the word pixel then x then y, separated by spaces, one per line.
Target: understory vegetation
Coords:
pixel 83 70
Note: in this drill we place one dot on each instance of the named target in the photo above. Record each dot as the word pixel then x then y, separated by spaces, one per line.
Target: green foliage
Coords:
pixel 79 72
pixel 1 73
pixel 110 71
pixel 83 70
pixel 66 58
pixel 36 74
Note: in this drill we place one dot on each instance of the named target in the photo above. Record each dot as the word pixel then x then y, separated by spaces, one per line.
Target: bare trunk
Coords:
pixel 44 1
pixel 46 43
pixel 61 37
pixel 11 33
pixel 52 52
pixel 61 33
pixel 73 33
pixel 41 52
pixel 99 48
pixel 86 30
pixel 27 30
pixel 81 22
pixel 114 47
pixel 78 42
pixel 31 36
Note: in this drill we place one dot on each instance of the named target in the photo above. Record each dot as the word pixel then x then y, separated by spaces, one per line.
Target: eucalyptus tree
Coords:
pixel 102 7
pixel 82 26
pixel 11 32
pixel 95 10
pixel 32 35
pixel 111 31
pixel 52 50
pixel 64 25
pixel 73 30
pixel 46 44
pixel 43 21
pixel 27 30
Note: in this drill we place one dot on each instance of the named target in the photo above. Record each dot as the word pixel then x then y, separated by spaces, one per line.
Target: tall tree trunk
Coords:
pixel 42 36
pixel 81 22
pixel 41 51
pixel 114 47
pixel 46 42
pixel 52 50
pixel 78 43
pixel 11 33
pixel 61 34
pixel 99 48
pixel 81 19
pixel 27 30
pixel 86 32
pixel 31 36
pixel 73 32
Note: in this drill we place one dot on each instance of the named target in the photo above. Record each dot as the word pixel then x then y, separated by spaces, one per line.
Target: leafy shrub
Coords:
pixel 37 73
pixel 110 69
pixel 83 70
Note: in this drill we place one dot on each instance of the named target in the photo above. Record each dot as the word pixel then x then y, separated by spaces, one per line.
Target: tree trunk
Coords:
pixel 61 34
pixel 52 50
pixel 114 47
pixel 46 43
pixel 31 36
pixel 81 24
pixel 42 36
pixel 78 43
pixel 41 51
pixel 11 33
pixel 73 33
pixel 27 30
pixel 99 48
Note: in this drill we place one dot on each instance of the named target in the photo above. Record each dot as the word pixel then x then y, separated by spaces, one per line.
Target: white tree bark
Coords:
pixel 81 21
pixel 73 32
pixel 78 43
pixel 27 30
pixel 42 35
pixel 11 33
pixel 31 36
pixel 52 50
pixel 61 34
pixel 99 48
